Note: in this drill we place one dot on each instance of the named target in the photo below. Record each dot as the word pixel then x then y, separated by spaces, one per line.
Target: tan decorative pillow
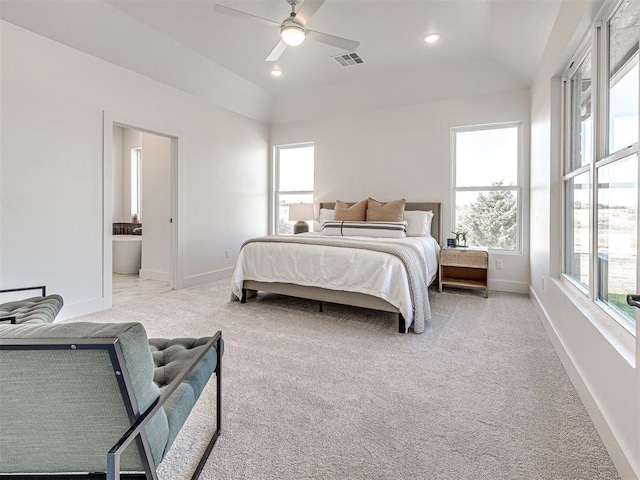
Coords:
pixel 385 212
pixel 354 213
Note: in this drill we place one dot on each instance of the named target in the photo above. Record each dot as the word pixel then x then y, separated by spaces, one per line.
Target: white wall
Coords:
pixel 405 153
pixel 424 84
pixel 599 362
pixel 89 27
pixel 156 207
pixel 51 176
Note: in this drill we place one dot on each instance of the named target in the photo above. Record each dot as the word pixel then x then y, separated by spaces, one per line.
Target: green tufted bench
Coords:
pixel 98 398
pixel 42 309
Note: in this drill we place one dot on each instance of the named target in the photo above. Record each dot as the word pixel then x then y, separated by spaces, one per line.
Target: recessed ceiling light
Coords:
pixel 275 72
pixel 432 38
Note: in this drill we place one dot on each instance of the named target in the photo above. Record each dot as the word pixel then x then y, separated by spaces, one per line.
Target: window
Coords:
pixel 600 178
pixel 623 76
pixel 136 191
pixel 617 243
pixel 577 181
pixel 581 126
pixel 293 182
pixel 577 202
pixel 487 184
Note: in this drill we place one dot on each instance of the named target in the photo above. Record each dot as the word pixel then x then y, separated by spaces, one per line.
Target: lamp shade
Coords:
pixel 301 211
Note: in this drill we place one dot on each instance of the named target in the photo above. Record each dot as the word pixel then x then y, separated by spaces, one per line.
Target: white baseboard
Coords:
pixel 81 308
pixel 154 275
pixel 508 286
pixel 617 454
pixel 208 277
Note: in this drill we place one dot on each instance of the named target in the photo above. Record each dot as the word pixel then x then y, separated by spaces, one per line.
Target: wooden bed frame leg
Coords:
pixel 400 323
pixel 244 296
pixel 320 307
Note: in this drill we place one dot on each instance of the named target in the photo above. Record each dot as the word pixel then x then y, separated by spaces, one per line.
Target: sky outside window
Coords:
pixel 486 157
pixel 296 169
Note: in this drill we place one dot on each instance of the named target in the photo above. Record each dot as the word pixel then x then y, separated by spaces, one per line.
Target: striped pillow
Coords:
pixel 365 229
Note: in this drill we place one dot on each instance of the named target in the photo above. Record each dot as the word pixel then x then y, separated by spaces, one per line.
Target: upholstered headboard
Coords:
pixel 433 206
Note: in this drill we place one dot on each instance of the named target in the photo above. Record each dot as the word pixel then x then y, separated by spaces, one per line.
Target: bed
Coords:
pixel 371 273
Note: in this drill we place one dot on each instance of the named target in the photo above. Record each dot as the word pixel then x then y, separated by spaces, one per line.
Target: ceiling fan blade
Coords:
pixel 308 8
pixel 276 52
pixel 244 16
pixel 343 43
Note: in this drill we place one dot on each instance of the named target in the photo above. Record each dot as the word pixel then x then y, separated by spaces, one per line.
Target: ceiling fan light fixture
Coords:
pixel 292 33
pixel 432 38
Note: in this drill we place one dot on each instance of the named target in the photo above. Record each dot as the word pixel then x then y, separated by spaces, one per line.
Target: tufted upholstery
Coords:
pixel 33 310
pixel 170 357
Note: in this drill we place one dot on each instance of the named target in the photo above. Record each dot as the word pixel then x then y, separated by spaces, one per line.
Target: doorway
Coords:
pixel 141 209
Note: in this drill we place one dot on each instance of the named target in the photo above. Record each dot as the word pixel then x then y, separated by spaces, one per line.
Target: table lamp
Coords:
pixel 300 212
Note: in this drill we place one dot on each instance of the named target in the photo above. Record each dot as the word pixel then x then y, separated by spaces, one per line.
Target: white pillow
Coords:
pixel 325 215
pixel 418 223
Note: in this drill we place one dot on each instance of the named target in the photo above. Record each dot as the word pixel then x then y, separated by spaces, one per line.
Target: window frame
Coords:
pixel 137 162
pixel 276 192
pixel 596 42
pixel 519 124
pixel 586 47
pixel 601 37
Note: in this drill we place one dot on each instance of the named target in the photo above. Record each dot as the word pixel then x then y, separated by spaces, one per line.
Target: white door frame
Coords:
pixel 111 119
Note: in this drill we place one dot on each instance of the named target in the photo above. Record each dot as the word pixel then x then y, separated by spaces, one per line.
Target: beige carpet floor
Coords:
pixel 480 394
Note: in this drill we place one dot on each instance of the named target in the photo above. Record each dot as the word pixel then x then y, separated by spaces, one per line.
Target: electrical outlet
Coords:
pixel 499 264
pixel 226 254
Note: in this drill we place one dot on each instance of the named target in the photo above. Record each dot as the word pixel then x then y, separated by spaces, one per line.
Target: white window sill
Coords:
pixel 619 338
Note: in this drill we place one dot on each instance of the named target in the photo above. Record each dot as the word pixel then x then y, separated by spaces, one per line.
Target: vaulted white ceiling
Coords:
pixel 484 45
pixel 391 32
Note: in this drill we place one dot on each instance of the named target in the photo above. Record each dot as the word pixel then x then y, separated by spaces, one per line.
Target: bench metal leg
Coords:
pixel 216 434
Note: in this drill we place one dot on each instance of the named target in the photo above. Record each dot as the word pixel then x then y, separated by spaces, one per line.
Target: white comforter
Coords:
pixel 374 273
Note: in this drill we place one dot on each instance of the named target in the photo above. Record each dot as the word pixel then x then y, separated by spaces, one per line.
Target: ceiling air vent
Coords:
pixel 348 59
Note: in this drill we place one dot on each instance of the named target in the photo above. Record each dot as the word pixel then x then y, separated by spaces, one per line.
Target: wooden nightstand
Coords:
pixel 464 267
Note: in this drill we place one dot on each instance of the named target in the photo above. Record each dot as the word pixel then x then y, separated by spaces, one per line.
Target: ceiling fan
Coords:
pixel 292 29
